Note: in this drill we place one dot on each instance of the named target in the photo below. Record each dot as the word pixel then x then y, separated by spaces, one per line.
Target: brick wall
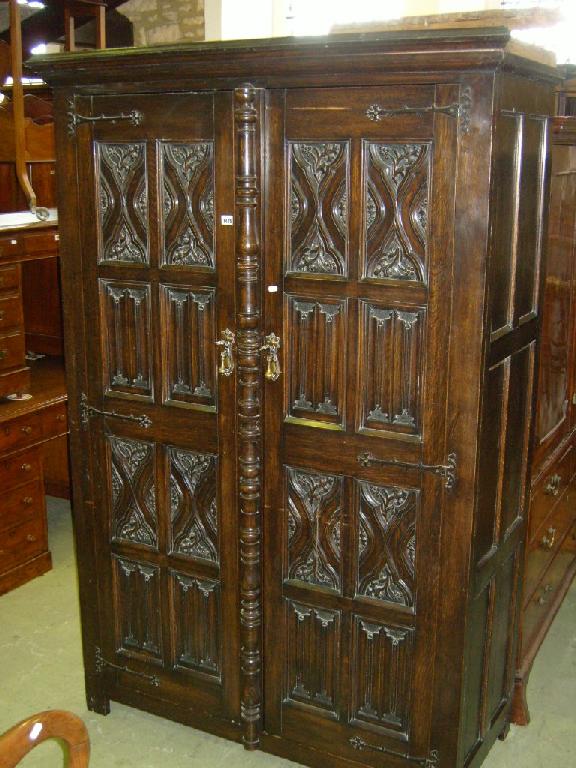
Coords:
pixel 165 21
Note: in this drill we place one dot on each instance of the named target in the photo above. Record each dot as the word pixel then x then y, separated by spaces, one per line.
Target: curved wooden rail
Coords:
pixel 52 724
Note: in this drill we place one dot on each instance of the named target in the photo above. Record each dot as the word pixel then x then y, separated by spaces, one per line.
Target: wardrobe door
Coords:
pixel 359 245
pixel 158 282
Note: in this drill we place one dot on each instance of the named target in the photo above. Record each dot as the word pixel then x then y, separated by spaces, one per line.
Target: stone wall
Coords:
pixel 165 21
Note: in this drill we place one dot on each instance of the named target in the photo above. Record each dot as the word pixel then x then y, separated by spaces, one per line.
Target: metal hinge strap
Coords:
pixel 88 410
pixel 447 471
pixel 101 663
pixel 134 117
pixel 427 762
pixel 460 109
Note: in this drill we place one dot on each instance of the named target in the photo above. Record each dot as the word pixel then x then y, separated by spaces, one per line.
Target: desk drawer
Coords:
pixel 20 432
pixel 45 243
pixel 10 313
pixel 12 351
pixel 22 504
pixel 22 543
pixel 19 469
pixel 54 421
pixel 542 550
pixel 548 490
pixel 11 246
pixel 10 277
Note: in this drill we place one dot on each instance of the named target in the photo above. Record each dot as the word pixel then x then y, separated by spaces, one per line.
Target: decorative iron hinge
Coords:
pixel 134 117
pixel 447 471
pixel 88 410
pixel 427 762
pixel 101 663
pixel 460 109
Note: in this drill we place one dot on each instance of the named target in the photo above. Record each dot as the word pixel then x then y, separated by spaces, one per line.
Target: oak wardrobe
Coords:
pixel 302 284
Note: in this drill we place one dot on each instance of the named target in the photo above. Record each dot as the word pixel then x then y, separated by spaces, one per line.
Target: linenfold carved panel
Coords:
pixel 187 189
pixel 196 623
pixel 387 543
pixel 122 194
pixel 383 667
pixel 313 655
pixel 193 505
pixel 395 211
pixel 133 495
pixel 314 504
pixel 318 217
pixel 189 352
pixel 392 367
pixel 126 310
pixel 316 359
pixel 138 607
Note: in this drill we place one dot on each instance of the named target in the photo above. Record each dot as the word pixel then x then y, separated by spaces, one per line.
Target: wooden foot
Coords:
pixel 520 714
pixel 503 735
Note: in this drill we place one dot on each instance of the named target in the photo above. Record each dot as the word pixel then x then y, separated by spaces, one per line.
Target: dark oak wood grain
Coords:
pixel 302 366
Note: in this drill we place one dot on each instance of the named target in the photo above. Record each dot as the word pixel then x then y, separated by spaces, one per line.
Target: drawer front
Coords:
pixel 548 490
pixel 54 421
pixel 22 504
pixel 19 469
pixel 22 543
pixel 543 548
pixel 21 432
pixel 11 246
pixel 36 243
pixel 10 313
pixel 10 277
pixel 537 609
pixel 12 351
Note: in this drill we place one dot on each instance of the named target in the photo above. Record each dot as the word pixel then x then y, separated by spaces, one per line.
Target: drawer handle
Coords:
pixel 27 500
pixel 553 486
pixel 26 430
pixel 26 467
pixel 549 538
pixel 30 537
pixel 60 417
pixel 543 599
pixel 3 354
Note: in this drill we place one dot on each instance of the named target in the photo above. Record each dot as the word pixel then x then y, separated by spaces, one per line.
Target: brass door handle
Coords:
pixel 552 487
pixel 226 353
pixel 272 345
pixel 549 538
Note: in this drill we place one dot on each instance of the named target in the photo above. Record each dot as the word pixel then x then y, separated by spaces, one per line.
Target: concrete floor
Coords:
pixel 41 668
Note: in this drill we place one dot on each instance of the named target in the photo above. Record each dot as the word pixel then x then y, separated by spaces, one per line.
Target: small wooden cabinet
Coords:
pixel 29 430
pixel 302 294
pixel 550 559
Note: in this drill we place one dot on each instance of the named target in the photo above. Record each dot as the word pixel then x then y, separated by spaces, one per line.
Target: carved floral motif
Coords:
pixel 396 210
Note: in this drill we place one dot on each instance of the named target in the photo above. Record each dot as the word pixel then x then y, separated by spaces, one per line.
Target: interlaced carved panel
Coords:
pixel 189 345
pixel 313 655
pixel 396 211
pixel 318 219
pixel 122 196
pixel 314 528
pixel 193 506
pixel 387 543
pixel 392 368
pixel 383 674
pixel 134 516
pixel 196 622
pixel 187 189
pixel 138 607
pixel 316 359
pixel 126 309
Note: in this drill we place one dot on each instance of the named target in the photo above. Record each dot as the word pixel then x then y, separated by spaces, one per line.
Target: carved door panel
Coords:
pixel 158 277
pixel 359 234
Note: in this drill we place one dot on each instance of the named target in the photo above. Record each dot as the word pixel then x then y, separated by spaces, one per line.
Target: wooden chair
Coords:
pixel 52 724
pixel 92 9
